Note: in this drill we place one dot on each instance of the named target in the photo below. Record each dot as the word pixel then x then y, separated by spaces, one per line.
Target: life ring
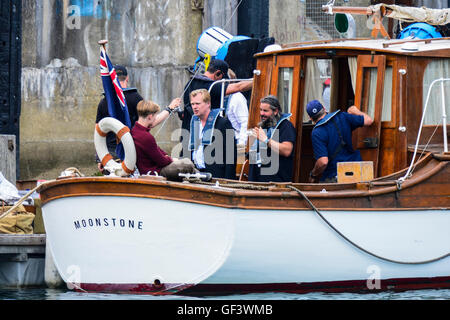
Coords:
pixel 123 135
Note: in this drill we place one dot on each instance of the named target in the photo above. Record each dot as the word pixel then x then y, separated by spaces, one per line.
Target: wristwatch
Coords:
pixel 168 110
pixel 312 176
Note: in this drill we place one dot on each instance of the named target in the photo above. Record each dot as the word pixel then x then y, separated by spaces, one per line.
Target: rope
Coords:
pixel 357 246
pixel 232 15
pixel 424 149
pixel 21 200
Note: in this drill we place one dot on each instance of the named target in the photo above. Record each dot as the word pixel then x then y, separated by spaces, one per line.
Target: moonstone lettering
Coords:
pixel 108 222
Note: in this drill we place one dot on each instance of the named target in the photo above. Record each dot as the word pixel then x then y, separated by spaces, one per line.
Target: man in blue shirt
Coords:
pixel 332 139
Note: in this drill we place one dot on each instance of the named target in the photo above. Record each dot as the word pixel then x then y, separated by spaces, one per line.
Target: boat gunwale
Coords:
pixel 377 187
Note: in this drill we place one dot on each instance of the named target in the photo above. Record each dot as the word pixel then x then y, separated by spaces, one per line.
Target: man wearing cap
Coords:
pixel 217 70
pixel 132 98
pixel 272 152
pixel 332 139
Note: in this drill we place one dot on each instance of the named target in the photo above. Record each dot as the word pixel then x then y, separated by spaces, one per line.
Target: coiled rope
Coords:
pixel 74 171
pixel 356 245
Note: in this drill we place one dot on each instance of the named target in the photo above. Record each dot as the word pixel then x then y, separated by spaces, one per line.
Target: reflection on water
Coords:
pixel 52 294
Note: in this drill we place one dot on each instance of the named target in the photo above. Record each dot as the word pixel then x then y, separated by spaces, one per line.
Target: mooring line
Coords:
pixel 356 245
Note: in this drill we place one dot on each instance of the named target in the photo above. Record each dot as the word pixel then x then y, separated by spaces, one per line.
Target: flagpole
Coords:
pixel 103 43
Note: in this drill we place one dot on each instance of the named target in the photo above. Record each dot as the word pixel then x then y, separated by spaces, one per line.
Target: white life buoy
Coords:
pixel 123 135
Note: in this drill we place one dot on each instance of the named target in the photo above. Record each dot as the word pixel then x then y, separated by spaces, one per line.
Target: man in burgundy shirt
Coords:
pixel 151 159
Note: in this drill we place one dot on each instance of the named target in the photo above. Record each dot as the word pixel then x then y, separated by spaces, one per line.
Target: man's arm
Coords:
pixel 239 87
pixel 284 148
pixel 163 115
pixel 319 168
pixel 355 111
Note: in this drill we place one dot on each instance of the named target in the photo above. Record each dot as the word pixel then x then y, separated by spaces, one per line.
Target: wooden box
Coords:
pixel 348 172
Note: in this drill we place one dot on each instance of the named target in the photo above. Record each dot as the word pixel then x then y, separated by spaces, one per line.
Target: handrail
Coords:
pixel 444 124
pixel 223 81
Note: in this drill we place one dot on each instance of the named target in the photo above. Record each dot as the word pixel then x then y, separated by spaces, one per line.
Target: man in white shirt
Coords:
pixel 237 113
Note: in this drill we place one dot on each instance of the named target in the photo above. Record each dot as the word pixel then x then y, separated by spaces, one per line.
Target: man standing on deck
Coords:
pixel 217 70
pixel 332 139
pixel 132 98
pixel 212 141
pixel 272 152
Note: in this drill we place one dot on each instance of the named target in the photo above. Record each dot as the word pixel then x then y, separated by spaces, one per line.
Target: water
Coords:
pixel 58 294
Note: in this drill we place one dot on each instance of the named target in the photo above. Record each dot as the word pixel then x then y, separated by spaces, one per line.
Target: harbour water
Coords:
pixel 61 294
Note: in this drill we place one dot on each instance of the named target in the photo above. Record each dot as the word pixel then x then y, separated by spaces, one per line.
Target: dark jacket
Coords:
pixel 222 169
pixel 132 98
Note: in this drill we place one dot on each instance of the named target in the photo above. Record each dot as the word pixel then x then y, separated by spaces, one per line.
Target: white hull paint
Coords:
pixel 186 243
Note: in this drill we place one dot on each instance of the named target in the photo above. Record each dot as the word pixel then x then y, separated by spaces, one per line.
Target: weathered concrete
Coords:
pixel 61 84
pixel 8 157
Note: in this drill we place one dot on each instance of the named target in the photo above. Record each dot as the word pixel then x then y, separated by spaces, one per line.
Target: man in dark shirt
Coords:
pixel 151 159
pixel 272 152
pixel 132 98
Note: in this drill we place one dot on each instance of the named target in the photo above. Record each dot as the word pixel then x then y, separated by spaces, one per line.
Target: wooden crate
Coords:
pixel 348 172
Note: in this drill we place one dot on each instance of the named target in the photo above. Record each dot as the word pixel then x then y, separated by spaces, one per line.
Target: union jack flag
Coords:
pixel 117 105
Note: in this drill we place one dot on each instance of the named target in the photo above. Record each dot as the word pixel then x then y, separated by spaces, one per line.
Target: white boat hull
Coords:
pixel 162 246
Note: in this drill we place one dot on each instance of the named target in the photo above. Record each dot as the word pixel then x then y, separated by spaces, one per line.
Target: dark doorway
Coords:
pixel 253 18
pixel 10 68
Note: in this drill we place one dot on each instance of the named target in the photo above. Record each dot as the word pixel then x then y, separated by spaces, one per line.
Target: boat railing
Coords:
pixel 223 81
pixel 444 123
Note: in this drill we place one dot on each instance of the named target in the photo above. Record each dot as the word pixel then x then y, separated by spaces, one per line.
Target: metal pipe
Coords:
pixel 420 128
pixel 444 118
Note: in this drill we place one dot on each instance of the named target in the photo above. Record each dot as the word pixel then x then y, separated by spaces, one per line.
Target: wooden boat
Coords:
pixel 149 235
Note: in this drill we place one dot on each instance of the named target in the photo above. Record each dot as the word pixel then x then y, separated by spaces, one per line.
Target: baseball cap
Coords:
pixel 121 70
pixel 221 65
pixel 313 108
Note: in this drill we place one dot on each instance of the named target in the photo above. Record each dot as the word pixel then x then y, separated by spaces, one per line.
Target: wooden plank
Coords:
pixel 22 240
pixel 8 156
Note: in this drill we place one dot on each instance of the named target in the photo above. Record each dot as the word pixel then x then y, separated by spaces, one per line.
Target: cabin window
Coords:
pixel 369 90
pixel 436 70
pixel 317 72
pixel 285 84
pixel 386 113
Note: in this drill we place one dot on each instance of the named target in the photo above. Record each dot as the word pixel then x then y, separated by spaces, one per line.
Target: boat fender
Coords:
pixel 123 135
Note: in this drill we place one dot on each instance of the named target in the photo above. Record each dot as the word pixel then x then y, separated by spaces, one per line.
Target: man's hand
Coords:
pixel 355 111
pixel 260 134
pixel 175 103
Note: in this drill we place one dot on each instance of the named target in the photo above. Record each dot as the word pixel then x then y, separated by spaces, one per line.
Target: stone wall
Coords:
pixel 289 21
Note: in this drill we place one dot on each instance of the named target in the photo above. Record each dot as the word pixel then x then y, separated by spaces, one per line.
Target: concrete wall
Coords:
pixel 290 23
pixel 61 84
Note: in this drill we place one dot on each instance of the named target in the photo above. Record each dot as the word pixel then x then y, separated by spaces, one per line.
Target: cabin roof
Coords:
pixel 420 47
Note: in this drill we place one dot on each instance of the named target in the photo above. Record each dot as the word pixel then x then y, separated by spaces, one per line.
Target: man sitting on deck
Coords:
pixel 151 158
pixel 332 139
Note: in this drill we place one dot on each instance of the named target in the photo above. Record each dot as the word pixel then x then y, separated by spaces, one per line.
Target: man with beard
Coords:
pixel 272 152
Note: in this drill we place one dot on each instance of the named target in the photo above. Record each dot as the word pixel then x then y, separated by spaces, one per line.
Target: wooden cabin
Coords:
pixel 387 79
